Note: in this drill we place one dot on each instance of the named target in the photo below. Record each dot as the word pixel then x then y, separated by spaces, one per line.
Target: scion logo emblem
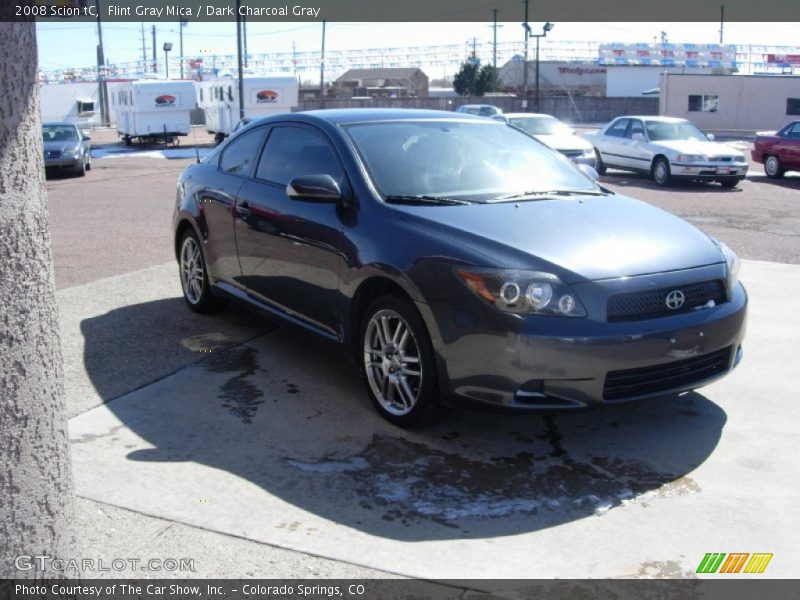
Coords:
pixel 675 299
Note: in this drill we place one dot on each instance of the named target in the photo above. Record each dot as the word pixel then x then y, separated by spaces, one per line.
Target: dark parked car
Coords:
pixel 66 147
pixel 779 151
pixel 459 260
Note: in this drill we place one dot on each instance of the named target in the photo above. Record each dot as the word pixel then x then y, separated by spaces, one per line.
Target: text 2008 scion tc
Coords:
pixel 460 260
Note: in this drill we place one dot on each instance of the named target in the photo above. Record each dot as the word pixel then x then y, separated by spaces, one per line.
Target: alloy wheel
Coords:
pixel 191 270
pixel 392 362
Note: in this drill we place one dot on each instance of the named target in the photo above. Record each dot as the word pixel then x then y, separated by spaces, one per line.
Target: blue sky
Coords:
pixel 65 45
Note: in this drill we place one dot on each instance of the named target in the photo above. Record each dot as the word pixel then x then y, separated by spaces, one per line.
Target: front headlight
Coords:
pixel 739 159
pixel 733 263
pixel 690 158
pixel 588 152
pixel 71 152
pixel 523 292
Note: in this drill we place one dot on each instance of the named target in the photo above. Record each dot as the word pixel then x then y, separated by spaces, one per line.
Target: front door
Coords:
pixel 291 252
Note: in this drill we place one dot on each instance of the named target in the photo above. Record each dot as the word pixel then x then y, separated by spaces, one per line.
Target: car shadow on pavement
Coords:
pixel 287 415
pixel 642 181
pixel 791 182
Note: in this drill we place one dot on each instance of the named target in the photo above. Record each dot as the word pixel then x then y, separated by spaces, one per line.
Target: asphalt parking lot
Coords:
pixel 272 456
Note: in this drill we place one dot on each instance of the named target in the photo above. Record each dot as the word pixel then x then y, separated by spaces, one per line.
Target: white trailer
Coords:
pixel 263 96
pixel 151 110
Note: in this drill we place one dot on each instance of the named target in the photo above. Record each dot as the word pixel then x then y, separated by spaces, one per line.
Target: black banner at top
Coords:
pixel 400 10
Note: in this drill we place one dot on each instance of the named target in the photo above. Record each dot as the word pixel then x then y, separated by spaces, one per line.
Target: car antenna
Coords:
pixel 196 149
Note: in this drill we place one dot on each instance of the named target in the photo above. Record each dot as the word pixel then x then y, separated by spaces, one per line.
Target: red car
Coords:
pixel 780 152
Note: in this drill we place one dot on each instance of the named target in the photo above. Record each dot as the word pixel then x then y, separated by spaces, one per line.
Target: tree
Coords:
pixel 464 81
pixel 36 491
pixel 472 80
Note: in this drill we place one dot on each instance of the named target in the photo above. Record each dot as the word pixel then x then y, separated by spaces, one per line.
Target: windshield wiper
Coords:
pixel 421 199
pixel 543 194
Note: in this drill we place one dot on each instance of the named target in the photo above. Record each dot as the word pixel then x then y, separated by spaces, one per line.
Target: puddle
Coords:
pixel 240 396
pixel 409 481
pixel 206 342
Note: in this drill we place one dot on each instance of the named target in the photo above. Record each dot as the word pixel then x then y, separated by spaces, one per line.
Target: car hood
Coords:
pixel 60 146
pixel 580 239
pixel 708 148
pixel 564 141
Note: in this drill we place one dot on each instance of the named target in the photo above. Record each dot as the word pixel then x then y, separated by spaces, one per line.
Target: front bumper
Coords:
pixel 63 163
pixel 711 170
pixel 562 363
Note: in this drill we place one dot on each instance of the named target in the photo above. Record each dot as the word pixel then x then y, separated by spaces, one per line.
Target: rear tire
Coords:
pixel 194 276
pixel 772 167
pixel 601 166
pixel 397 363
pixel 661 173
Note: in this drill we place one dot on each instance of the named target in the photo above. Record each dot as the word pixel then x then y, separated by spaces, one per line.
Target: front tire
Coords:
pixel 772 167
pixel 194 276
pixel 601 166
pixel 661 172
pixel 397 363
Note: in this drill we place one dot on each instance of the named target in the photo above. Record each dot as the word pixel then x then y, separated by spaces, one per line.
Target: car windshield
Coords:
pixel 476 162
pixel 679 130
pixel 483 111
pixel 540 125
pixel 59 133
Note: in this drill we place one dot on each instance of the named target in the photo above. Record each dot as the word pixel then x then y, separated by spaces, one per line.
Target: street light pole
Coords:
pixel 527 30
pixel 547 27
pixel 167 48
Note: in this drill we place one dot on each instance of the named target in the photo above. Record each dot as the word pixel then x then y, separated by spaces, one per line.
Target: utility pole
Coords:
pixel 144 50
pixel 155 50
pixel 494 50
pixel 721 21
pixel 527 30
pixel 322 69
pixel 102 89
pixel 244 35
pixel 239 57
pixel 474 52
pixel 183 24
pixel 294 59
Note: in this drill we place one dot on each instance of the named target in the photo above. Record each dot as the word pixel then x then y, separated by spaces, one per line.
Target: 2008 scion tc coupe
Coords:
pixel 459 259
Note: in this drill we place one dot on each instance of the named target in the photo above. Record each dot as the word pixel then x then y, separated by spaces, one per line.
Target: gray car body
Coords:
pixel 599 246
pixel 54 151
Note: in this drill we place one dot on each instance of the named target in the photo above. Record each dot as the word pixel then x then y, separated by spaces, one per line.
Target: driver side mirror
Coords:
pixel 710 137
pixel 87 138
pixel 315 188
pixel 638 136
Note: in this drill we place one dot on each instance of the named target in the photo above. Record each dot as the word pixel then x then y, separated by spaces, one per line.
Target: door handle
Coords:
pixel 243 210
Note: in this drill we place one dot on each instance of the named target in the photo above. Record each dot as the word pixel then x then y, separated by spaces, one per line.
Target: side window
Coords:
pixel 618 128
pixel 294 151
pixel 793 106
pixel 240 155
pixel 636 127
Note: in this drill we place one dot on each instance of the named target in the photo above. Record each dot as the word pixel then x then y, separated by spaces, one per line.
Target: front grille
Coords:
pixel 660 378
pixel 634 306
pixel 720 158
pixel 52 154
pixel 571 153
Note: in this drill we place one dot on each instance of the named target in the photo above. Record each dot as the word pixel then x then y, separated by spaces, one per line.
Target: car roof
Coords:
pixel 341 116
pixel 60 123
pixel 535 115
pixel 653 118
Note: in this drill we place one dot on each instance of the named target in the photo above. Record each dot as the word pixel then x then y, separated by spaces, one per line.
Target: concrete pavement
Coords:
pixel 227 430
